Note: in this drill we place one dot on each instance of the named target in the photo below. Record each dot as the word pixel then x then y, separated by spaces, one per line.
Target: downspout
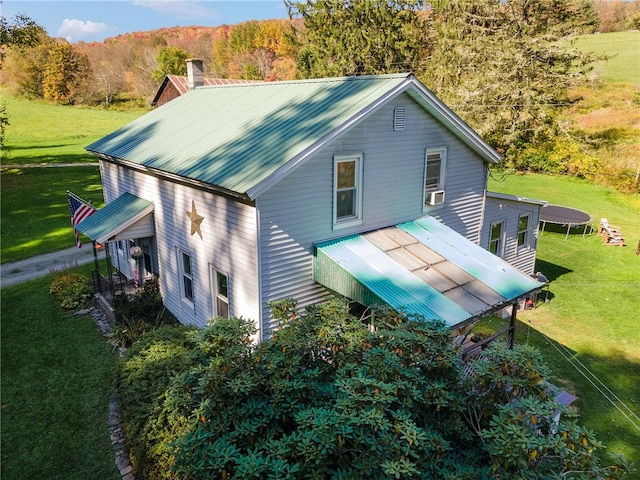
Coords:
pixel 258 274
pixel 484 205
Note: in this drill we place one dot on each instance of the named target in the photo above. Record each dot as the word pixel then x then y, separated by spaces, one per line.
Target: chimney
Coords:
pixel 195 74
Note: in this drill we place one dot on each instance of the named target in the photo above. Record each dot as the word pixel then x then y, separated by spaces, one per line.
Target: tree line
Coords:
pixel 505 67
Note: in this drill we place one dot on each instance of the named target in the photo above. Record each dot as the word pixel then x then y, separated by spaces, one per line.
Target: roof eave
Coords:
pixel 173 177
pixel 110 235
pixel 455 123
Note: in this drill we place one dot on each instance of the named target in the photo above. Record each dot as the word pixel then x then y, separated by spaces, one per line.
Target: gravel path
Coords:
pixel 13 273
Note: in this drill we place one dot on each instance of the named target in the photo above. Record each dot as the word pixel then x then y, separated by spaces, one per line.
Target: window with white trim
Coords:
pixel 186 275
pixel 495 240
pixel 523 230
pixel 434 170
pixel 220 293
pixel 347 186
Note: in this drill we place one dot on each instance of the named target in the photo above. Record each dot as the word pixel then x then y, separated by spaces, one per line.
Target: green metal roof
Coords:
pixel 421 267
pixel 115 217
pixel 242 138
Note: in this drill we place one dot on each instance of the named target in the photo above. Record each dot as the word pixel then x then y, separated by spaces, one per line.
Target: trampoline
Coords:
pixel 571 217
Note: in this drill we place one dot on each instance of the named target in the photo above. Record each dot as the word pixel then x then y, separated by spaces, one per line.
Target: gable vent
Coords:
pixel 399 117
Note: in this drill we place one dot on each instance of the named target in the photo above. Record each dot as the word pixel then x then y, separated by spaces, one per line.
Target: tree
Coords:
pixel 108 66
pixel 64 71
pixel 22 32
pixel 171 61
pixel 502 67
pixel 360 37
pixel 328 397
pixel 4 121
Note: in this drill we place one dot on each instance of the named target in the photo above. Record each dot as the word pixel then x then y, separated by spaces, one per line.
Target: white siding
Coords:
pixel 297 212
pixel 509 211
pixel 228 243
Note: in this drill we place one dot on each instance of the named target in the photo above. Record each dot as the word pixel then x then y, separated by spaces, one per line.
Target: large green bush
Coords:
pixel 329 397
pixel 144 376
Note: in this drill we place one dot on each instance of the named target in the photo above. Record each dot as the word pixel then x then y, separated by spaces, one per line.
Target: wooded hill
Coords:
pixel 506 69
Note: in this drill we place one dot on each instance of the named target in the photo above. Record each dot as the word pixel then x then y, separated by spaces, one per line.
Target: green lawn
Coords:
pixel 624 50
pixel 593 312
pixel 40 132
pixel 33 201
pixel 58 375
pixel 34 209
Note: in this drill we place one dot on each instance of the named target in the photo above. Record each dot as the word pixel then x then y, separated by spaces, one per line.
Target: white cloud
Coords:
pixel 184 9
pixel 74 30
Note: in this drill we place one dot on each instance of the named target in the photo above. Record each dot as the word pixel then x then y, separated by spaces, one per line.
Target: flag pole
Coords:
pixel 79 198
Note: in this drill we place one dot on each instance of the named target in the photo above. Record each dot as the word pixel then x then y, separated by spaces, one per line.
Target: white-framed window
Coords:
pixel 434 176
pixel 523 230
pixel 186 275
pixel 496 243
pixel 219 293
pixel 347 188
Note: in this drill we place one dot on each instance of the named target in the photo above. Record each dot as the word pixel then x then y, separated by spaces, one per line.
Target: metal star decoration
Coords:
pixel 196 219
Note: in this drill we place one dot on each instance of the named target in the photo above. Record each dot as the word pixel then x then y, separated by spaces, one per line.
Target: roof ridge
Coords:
pixel 349 78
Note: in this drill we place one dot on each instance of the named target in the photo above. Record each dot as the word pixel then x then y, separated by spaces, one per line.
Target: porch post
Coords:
pixel 96 264
pixel 107 250
pixel 512 325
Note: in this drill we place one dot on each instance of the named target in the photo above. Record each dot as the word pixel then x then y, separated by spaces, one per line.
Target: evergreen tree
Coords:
pixel 360 37
pixel 502 67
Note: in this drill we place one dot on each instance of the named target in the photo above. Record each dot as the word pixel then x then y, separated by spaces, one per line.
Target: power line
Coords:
pixel 592 379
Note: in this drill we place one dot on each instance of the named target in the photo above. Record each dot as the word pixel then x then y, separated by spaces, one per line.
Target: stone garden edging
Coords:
pixel 118 443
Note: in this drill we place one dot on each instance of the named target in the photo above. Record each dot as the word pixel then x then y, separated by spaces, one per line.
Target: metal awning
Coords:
pixel 421 267
pixel 128 216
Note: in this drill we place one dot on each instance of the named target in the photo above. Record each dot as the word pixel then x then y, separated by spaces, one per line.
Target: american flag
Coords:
pixel 79 211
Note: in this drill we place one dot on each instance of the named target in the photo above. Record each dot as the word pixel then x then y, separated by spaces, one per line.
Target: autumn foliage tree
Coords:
pixel 65 71
pixel 170 61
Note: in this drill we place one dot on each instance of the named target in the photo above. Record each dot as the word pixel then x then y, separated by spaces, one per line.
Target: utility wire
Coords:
pixel 591 381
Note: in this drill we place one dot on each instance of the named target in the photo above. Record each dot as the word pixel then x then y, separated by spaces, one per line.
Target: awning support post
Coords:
pixel 512 325
pixel 96 265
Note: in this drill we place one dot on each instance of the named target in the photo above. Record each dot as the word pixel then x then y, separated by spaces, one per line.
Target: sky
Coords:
pixel 95 20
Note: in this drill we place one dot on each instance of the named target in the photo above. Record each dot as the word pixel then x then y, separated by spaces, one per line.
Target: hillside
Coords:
pixel 606 113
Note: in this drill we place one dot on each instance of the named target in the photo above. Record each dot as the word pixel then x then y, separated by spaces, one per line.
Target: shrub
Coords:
pixel 144 375
pixel 139 313
pixel 327 397
pixel 72 290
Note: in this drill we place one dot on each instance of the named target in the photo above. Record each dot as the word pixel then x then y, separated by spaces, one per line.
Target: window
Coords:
pixel 186 274
pixel 523 231
pixel 220 293
pixel 347 208
pixel 495 241
pixel 435 160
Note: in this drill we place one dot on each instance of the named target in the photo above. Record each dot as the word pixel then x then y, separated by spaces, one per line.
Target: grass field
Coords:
pixel 593 316
pixel 40 132
pixel 33 201
pixel 623 50
pixel 58 375
pixel 41 224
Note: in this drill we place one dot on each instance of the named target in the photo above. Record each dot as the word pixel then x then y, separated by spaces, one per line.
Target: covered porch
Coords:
pixel 124 230
pixel 425 268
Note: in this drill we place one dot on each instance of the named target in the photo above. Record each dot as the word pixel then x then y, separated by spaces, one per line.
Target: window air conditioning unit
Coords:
pixel 434 198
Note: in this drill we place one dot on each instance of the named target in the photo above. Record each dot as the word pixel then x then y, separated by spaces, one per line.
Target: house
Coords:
pixel 175 85
pixel 369 187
